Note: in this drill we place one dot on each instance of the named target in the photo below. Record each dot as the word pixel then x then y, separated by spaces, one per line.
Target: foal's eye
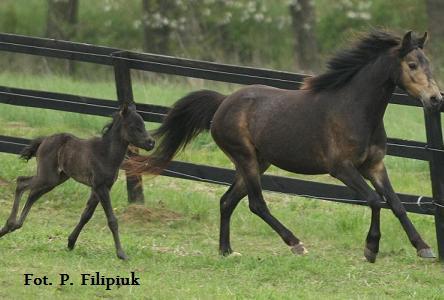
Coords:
pixel 413 66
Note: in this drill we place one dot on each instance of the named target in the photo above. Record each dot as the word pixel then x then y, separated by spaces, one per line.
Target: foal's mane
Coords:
pixel 116 117
pixel 345 64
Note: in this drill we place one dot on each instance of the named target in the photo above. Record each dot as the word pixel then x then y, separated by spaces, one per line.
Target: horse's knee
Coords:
pixel 399 211
pixel 374 200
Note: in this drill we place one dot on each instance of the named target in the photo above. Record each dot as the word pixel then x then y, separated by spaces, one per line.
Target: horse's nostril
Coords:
pixel 434 99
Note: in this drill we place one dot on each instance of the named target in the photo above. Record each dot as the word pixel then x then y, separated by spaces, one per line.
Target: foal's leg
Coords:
pixel 103 193
pixel 248 166
pixel 39 187
pixel 228 203
pixel 23 183
pixel 86 216
pixel 380 180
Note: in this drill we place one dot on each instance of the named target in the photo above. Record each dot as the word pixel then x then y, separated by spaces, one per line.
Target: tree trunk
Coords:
pixel 156 32
pixel 61 23
pixel 303 22
pixel 435 13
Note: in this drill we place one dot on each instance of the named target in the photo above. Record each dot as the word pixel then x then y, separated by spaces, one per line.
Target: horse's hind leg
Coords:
pixel 86 216
pixel 23 183
pixel 38 189
pixel 228 204
pixel 248 166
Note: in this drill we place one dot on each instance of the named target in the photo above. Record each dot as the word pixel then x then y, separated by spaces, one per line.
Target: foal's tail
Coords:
pixel 187 118
pixel 29 151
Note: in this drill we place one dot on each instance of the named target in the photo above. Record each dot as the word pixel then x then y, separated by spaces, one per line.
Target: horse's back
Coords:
pixel 284 127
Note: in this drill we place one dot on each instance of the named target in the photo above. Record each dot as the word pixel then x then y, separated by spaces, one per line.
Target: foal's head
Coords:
pixel 415 75
pixel 131 128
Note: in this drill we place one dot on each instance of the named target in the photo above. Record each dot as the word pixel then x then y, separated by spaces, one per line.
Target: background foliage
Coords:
pixel 256 33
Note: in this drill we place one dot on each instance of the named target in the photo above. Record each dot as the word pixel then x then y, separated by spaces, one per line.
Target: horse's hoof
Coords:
pixel 299 249
pixel 225 252
pixel 370 256
pixel 234 254
pixel 426 253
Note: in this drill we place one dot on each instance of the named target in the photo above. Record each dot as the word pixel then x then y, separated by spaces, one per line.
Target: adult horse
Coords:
pixel 333 125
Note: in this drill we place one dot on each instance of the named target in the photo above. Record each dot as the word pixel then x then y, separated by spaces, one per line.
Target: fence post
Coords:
pixel 435 141
pixel 125 94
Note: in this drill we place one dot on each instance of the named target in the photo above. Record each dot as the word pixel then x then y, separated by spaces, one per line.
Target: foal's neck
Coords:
pixel 115 146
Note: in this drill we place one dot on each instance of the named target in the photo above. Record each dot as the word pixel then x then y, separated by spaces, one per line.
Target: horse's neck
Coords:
pixel 371 92
pixel 115 146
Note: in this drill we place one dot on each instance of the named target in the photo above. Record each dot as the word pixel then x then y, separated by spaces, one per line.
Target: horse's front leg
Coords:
pixel 103 193
pixel 351 177
pixel 380 180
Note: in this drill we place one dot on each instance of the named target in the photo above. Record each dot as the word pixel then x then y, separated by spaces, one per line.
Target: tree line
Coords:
pixel 286 34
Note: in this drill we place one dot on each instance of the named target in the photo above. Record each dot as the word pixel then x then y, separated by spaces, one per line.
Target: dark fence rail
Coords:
pixel 324 191
pixel 124 61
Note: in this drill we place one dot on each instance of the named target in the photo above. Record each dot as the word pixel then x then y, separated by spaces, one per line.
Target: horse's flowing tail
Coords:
pixel 30 151
pixel 188 117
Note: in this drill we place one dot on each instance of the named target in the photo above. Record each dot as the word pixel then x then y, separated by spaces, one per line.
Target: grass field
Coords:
pixel 172 239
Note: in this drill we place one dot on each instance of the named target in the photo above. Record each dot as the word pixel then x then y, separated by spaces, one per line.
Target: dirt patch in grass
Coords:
pixel 140 213
pixel 17 125
pixel 3 182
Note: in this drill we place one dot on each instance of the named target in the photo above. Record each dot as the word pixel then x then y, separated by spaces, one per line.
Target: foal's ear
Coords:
pixel 422 41
pixel 126 107
pixel 406 44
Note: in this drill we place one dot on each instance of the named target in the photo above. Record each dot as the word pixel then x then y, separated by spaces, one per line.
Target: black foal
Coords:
pixel 94 162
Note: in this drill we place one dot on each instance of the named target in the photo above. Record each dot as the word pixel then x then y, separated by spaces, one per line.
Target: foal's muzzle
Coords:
pixel 149 145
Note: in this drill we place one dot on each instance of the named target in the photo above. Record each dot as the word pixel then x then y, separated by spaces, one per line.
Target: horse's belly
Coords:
pixel 294 158
pixel 300 166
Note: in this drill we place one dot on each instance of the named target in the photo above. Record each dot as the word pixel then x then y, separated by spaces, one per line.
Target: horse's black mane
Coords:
pixel 345 64
pixel 115 118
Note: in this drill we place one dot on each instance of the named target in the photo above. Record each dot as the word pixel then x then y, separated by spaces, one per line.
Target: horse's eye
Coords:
pixel 413 66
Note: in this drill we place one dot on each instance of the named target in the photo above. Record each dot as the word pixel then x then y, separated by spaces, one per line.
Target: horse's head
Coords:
pixel 133 128
pixel 415 75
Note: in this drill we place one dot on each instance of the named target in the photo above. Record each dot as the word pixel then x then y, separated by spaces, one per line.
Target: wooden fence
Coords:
pixel 124 61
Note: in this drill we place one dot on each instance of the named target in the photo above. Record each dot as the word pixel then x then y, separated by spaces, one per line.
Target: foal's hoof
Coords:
pixel 370 256
pixel 71 245
pixel 122 256
pixel 426 253
pixel 299 249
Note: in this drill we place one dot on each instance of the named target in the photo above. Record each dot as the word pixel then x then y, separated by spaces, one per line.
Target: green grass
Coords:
pixel 172 240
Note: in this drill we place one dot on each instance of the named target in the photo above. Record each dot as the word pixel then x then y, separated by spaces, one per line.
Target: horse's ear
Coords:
pixel 422 41
pixel 406 44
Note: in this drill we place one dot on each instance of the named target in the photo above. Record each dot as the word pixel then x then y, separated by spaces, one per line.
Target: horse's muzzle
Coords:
pixel 436 101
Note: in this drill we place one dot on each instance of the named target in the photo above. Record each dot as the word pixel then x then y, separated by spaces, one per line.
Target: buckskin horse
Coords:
pixel 333 124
